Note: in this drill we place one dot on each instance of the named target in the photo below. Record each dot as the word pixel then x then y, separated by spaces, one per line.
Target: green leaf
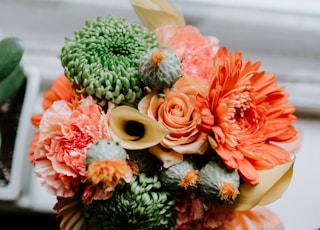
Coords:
pixel 11 51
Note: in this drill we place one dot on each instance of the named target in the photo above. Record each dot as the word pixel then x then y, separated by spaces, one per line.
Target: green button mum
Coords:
pixel 142 204
pixel 100 61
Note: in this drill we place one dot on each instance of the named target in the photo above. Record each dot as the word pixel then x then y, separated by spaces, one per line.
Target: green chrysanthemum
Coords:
pixel 100 61
pixel 141 205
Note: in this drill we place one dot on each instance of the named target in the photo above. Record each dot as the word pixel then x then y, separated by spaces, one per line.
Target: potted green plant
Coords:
pixel 18 88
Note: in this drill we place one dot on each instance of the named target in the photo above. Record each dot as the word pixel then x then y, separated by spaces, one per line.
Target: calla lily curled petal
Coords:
pixel 133 129
pixel 168 158
pixel 273 183
pixel 156 13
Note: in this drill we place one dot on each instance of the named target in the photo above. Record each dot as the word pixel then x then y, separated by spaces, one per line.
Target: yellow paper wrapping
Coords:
pixel 273 183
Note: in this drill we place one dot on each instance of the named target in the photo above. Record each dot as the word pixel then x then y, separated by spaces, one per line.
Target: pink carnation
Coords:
pixel 195 50
pixel 65 135
pixel 92 192
pixel 192 214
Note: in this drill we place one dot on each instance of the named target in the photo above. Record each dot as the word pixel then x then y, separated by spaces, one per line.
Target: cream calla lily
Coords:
pixel 156 13
pixel 273 183
pixel 133 129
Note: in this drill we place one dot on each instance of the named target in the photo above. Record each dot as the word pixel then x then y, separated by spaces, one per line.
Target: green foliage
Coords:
pixel 11 73
pixel 101 59
pixel 142 204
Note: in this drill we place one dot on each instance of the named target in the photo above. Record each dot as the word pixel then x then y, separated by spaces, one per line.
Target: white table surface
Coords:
pixel 299 207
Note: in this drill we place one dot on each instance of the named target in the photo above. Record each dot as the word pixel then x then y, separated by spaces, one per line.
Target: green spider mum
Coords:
pixel 142 204
pixel 101 59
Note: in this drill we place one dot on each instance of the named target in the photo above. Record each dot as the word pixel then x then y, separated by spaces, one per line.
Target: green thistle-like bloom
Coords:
pixel 100 61
pixel 219 183
pixel 181 176
pixel 142 204
pixel 105 149
pixel 159 69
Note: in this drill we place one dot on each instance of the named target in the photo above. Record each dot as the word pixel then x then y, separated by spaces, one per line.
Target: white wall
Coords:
pixel 284 36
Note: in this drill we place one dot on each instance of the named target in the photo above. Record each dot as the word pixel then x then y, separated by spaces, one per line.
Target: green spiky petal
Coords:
pixel 141 205
pixel 101 59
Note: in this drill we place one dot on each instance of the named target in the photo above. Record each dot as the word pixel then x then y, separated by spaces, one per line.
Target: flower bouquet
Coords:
pixel 155 126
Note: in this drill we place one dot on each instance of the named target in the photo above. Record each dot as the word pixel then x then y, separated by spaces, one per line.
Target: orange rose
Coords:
pixel 175 112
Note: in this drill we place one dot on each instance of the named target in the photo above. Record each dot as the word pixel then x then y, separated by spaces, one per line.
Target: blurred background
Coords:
pixel 284 35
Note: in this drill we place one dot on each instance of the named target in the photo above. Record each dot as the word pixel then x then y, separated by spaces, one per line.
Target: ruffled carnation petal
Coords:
pixel 65 134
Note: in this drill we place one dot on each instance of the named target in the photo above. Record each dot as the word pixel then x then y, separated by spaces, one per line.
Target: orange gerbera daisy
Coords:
pixel 61 89
pixel 248 113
